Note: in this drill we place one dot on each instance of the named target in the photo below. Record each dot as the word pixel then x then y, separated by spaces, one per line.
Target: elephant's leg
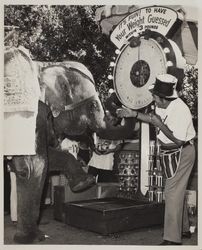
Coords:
pixel 30 175
pixel 65 162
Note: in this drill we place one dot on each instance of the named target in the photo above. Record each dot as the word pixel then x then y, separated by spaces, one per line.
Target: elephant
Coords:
pixel 70 92
pixel 69 106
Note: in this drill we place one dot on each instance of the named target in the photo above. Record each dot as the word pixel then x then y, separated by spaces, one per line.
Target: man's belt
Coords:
pixel 188 143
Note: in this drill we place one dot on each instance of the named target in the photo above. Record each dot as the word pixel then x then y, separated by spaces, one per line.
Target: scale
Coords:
pixel 142 54
pixel 140 60
pixel 137 66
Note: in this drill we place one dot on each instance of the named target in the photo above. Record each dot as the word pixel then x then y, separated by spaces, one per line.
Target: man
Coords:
pixel 175 131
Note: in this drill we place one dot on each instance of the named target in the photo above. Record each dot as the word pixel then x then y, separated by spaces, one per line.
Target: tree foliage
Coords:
pixel 70 32
pixel 63 32
pixel 190 89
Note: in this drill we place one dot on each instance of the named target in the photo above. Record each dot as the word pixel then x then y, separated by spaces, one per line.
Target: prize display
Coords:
pixel 127 169
pixel 155 174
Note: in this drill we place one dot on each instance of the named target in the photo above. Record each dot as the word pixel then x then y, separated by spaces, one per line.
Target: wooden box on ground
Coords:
pixel 63 194
pixel 111 215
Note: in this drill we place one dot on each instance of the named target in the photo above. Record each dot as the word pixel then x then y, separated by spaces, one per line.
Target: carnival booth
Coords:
pixel 149 40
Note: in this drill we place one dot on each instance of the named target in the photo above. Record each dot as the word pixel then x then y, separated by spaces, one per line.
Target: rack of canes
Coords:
pixel 155 174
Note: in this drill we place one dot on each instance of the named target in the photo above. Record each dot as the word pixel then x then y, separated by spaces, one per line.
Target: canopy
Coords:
pixel 186 37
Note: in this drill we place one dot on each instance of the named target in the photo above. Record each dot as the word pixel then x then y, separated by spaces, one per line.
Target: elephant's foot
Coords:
pixel 22 238
pixel 84 184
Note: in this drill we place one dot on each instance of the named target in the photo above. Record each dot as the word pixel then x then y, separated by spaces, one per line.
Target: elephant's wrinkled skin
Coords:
pixel 69 92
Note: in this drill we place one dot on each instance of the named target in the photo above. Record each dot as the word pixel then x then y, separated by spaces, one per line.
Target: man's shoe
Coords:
pixel 84 185
pixel 186 234
pixel 167 242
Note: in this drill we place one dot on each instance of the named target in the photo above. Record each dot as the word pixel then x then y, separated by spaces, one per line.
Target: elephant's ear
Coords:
pixel 63 86
pixel 58 92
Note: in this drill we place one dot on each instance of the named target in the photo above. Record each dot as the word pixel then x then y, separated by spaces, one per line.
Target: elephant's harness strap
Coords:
pixel 78 104
pixel 71 108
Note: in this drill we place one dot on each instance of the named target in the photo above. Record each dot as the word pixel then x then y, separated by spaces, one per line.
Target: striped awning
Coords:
pixel 186 37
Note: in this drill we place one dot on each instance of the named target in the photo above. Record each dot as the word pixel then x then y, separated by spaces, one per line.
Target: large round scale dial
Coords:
pixel 136 69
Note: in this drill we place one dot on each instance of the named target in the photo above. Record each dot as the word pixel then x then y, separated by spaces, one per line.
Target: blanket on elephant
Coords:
pixel 21 86
pixel 21 95
pixel 19 133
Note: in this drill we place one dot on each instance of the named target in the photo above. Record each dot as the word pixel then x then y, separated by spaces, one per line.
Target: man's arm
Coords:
pixel 119 132
pixel 150 118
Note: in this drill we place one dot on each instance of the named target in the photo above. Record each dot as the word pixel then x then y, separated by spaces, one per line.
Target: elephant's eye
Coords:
pixel 93 106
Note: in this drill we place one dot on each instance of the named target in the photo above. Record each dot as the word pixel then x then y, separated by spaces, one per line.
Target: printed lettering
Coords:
pixel 160 10
pixel 122 34
pixel 134 15
pixel 158 20
pixel 148 10
pixel 133 24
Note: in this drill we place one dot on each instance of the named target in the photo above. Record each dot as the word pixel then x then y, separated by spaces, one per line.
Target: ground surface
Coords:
pixel 60 233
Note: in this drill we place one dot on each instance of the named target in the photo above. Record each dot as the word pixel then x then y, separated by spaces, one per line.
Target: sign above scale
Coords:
pixel 145 52
pixel 155 18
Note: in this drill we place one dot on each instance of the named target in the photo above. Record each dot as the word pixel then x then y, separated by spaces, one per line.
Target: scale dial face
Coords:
pixel 136 69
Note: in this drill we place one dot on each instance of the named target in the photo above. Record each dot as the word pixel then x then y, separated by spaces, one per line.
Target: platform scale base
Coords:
pixel 112 215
